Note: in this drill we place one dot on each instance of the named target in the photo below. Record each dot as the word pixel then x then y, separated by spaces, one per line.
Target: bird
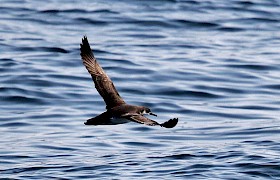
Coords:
pixel 116 107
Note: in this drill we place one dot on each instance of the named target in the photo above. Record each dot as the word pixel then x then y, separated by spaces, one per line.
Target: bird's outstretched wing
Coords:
pixel 102 82
pixel 144 120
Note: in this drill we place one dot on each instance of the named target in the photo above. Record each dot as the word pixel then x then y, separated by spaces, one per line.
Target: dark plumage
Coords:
pixel 115 105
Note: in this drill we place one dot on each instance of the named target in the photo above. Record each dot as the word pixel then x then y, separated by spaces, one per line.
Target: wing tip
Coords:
pixel 171 123
pixel 85 47
pixel 84 39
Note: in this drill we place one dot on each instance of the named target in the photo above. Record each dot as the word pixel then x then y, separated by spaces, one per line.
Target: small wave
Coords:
pixel 232 90
pixel 15 124
pixel 91 168
pixel 44 49
pixel 6 9
pixel 252 66
pixel 120 62
pixel 7 62
pixel 31 169
pixel 180 156
pixel 150 23
pixel 187 93
pixel 251 107
pixel 57 21
pixel 22 99
pixel 271 86
pixel 90 21
pixel 143 144
pixel 197 24
pixel 8 156
pixel 141 128
pixel 229 115
pixel 265 20
pixel 246 3
pixel 60 148
pixel 53 49
pixel 154 36
pixel 230 29
pixel 265 170
pixel 56 11
pixel 252 132
pixel 262 143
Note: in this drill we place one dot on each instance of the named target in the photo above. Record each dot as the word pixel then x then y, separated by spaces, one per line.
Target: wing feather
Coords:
pixel 103 83
pixel 143 120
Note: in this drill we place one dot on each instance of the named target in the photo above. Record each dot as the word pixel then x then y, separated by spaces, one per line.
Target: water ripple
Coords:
pixel 213 64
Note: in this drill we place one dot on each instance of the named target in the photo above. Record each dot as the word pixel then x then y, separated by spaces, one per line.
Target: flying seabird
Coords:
pixel 116 108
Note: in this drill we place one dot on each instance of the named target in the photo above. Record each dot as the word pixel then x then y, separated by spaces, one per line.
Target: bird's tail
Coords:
pixel 103 118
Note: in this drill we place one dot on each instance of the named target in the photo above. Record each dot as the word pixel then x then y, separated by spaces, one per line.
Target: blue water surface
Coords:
pixel 213 64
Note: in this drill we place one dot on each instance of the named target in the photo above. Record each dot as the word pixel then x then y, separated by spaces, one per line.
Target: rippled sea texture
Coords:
pixel 213 64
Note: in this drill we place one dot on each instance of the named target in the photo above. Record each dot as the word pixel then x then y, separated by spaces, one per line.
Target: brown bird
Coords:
pixel 117 109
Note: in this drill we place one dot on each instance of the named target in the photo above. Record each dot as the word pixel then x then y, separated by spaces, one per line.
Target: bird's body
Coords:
pixel 115 105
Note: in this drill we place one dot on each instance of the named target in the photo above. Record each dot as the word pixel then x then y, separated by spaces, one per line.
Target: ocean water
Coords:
pixel 213 64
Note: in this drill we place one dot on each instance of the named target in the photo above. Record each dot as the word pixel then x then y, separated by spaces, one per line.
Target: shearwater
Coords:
pixel 116 108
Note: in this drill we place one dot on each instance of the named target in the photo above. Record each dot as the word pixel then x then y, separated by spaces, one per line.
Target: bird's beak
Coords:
pixel 152 114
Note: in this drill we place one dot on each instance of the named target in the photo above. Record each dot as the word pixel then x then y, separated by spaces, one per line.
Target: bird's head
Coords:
pixel 146 110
